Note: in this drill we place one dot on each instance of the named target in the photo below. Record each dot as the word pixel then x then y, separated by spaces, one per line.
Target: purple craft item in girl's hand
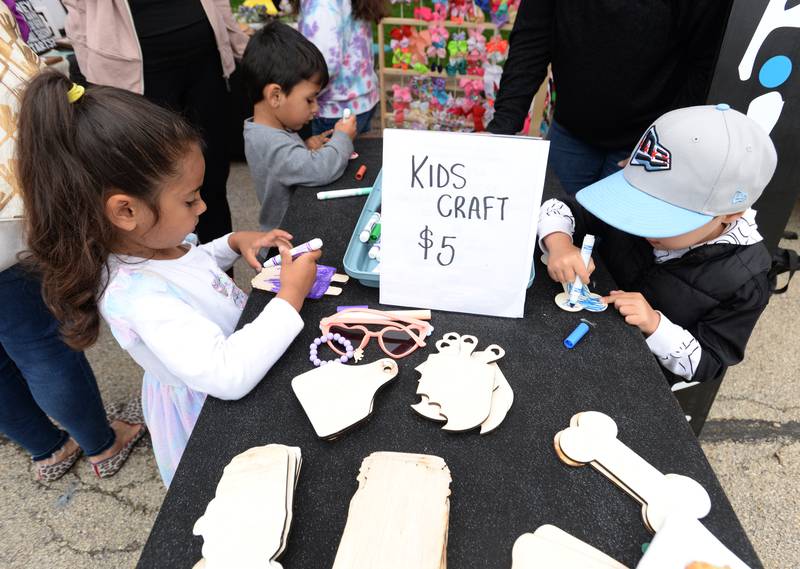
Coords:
pixel 269 279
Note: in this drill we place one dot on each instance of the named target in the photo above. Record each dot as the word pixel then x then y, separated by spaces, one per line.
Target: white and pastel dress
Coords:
pixel 176 319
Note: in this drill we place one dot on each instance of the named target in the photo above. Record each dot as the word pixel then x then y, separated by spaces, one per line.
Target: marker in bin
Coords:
pixel 366 231
pixel 308 247
pixel 586 255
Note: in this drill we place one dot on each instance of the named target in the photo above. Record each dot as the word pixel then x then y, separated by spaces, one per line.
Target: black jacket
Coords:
pixel 618 65
pixel 717 292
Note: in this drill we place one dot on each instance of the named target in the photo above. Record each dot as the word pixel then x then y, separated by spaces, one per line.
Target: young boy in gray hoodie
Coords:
pixel 284 73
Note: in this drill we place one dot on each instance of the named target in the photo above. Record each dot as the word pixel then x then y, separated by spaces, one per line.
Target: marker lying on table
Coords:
pixel 313 245
pixel 333 194
pixel 586 255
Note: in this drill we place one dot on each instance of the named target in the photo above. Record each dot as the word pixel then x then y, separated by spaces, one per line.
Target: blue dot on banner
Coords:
pixel 775 71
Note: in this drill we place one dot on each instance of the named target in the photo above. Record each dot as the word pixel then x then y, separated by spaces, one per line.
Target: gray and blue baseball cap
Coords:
pixel 690 166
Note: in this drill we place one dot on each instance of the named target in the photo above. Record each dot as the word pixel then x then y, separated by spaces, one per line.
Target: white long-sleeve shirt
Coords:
pixel 176 318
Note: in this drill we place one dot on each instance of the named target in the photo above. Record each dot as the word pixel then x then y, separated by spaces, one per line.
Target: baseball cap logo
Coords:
pixel 651 154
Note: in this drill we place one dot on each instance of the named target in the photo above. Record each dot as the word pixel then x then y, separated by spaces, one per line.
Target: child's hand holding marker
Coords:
pixel 636 310
pixel 297 275
pixel 248 243
pixel 564 259
pixel 347 124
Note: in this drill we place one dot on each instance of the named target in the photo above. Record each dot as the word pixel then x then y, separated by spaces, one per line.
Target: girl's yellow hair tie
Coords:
pixel 75 92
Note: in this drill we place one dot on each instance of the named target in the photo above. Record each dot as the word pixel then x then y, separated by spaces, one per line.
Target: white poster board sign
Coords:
pixel 458 220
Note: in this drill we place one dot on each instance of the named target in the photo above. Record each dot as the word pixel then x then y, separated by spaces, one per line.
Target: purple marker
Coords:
pixel 308 247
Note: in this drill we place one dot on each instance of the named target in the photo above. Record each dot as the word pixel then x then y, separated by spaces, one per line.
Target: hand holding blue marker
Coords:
pixel 307 247
pixel 586 255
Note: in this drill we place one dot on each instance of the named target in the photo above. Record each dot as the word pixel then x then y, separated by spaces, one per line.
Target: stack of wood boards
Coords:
pixel 549 546
pixel 247 523
pixel 398 517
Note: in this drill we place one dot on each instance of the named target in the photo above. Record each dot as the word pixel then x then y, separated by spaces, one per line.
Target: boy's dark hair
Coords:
pixel 279 54
pixel 71 158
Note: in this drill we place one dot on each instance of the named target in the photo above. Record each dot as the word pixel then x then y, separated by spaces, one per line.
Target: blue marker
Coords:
pixel 576 335
pixel 586 255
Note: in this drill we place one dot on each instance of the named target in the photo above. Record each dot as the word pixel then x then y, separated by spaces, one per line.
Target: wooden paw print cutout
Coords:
pixel 464 388
pixel 592 438
pixel 336 396
pixel 247 522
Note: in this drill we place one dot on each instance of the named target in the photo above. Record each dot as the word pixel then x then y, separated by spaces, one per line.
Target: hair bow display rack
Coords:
pixel 388 74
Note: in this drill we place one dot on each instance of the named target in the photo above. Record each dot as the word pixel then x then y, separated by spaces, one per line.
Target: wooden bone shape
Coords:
pixel 592 438
pixel 458 382
pixel 337 396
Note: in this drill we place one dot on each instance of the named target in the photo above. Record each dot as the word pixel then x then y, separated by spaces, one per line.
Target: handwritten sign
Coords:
pixel 458 220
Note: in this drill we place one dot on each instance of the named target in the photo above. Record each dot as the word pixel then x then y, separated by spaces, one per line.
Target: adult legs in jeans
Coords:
pixel 578 164
pixel 363 123
pixel 41 376
pixel 198 91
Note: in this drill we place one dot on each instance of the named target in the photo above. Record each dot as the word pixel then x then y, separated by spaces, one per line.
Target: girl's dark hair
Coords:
pixel 367 10
pixel 71 157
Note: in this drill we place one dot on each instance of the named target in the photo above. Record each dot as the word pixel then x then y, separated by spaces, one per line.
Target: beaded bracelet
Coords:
pixel 312 349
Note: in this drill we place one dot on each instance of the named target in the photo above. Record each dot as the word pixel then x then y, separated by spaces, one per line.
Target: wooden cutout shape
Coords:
pixel 462 386
pixel 502 397
pixel 247 521
pixel 398 517
pixel 592 438
pixel 337 396
pixel 682 541
pixel 550 546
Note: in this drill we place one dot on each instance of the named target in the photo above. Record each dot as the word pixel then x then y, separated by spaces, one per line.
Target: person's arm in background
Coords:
pixel 529 54
pixel 321 23
pixel 703 27
pixel 238 37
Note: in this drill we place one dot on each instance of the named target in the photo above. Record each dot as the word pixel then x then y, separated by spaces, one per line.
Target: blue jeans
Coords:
pixel 41 376
pixel 363 121
pixel 578 164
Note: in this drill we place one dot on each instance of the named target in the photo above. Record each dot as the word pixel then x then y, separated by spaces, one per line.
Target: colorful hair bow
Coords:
pixel 423 13
pixel 418 42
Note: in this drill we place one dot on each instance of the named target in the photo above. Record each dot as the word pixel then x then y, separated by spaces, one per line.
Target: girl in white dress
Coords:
pixel 111 184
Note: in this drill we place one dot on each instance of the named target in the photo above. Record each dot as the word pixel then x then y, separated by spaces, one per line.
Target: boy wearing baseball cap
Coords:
pixel 677 233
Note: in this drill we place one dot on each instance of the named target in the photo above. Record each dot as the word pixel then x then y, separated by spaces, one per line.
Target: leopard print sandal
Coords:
pixel 52 472
pixel 111 465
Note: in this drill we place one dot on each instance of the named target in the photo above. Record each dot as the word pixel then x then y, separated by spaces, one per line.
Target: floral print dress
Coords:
pixel 346 44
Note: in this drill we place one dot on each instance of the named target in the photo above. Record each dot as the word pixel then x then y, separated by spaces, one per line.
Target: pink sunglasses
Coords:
pixel 399 333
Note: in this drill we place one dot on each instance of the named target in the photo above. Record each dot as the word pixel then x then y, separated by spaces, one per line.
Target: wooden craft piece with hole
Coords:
pixel 458 385
pixel 398 517
pixel 336 396
pixel 592 438
pixel 247 522
pixel 550 546
pixel 502 396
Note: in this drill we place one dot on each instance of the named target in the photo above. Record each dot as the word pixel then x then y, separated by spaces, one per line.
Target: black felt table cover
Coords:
pixel 505 483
